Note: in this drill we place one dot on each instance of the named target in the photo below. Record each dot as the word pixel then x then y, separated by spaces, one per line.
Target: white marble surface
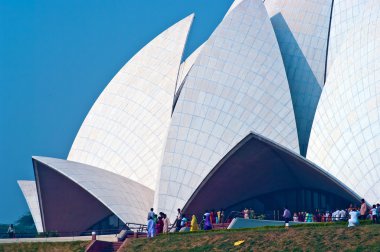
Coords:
pixel 237 85
pixel 29 190
pixel 345 138
pixel 126 129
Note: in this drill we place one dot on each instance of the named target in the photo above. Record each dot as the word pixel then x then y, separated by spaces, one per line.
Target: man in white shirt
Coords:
pixel 342 214
pixel 335 215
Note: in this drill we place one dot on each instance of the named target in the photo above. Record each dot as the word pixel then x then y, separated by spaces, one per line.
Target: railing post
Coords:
pixel 93 236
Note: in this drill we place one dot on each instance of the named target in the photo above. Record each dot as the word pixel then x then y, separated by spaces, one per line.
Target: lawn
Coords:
pixel 77 246
pixel 333 237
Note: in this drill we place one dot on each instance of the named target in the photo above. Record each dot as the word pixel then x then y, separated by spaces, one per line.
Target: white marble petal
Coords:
pixel 186 66
pixel 345 14
pixel 302 29
pixel 127 199
pixel 237 85
pixel 29 190
pixel 126 129
pixel 345 138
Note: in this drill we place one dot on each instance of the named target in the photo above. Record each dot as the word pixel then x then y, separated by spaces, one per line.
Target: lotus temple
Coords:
pixel 280 106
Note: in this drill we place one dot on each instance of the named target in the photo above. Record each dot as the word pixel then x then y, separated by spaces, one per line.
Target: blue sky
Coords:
pixel 55 59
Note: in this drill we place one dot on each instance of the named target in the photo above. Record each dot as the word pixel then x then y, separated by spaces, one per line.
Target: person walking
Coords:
pixel 363 210
pixel 11 231
pixel 287 215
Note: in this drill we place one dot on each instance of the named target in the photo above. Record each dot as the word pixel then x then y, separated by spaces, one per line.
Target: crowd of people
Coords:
pixel 157 224
pixel 352 214
pixel 160 224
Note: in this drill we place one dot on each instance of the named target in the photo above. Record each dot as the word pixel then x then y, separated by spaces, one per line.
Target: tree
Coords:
pixel 26 220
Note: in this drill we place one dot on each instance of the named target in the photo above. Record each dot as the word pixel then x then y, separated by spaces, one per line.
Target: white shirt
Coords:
pixel 335 215
pixel 374 211
pixel 342 214
pixel 354 216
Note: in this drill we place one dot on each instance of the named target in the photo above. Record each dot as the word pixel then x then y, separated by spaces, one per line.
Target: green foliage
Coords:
pixel 48 234
pixel 261 217
pixel 25 221
pixel 24 227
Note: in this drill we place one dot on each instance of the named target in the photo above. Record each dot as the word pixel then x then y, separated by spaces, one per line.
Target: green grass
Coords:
pixel 313 237
pixel 76 246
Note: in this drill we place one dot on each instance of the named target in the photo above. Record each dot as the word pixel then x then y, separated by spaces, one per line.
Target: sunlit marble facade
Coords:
pixel 29 191
pixel 237 85
pixel 345 138
pixel 126 129
pixel 164 124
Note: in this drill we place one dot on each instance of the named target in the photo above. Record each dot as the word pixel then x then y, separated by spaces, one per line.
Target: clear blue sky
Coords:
pixel 55 59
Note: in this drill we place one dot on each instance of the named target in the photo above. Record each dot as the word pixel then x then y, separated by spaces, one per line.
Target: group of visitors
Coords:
pixel 157 224
pixel 209 218
pixel 160 223
pixel 352 214
pixel 319 216
pixel 182 223
pixel 248 213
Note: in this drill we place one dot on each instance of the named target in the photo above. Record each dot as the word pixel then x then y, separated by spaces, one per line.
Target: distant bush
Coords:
pixel 48 234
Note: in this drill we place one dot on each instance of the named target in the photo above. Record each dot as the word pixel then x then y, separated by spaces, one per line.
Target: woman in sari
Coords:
pixel 194 224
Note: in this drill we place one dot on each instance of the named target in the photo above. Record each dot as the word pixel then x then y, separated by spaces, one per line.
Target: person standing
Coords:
pixel 11 231
pixel 342 215
pixel 178 220
pixel 150 227
pixel 353 221
pixel 251 213
pixel 207 221
pixel 194 224
pixel 222 216
pixel 363 210
pixel 246 213
pixel 287 215
pixel 374 214
pixel 183 221
pixel 150 213
pixel 166 224
pixel 159 225
pixel 295 217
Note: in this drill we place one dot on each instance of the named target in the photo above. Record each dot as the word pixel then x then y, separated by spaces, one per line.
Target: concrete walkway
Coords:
pixel 109 238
